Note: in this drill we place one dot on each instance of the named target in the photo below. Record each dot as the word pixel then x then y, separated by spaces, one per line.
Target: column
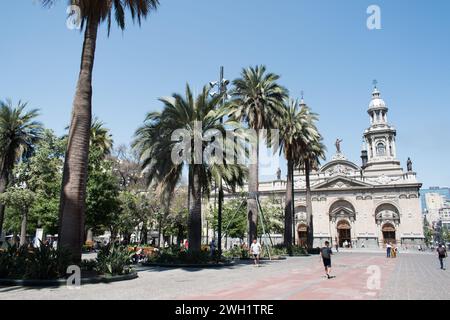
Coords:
pixel 373 149
pixel 394 150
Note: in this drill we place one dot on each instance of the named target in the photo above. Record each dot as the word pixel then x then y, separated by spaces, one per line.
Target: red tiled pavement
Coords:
pixel 309 282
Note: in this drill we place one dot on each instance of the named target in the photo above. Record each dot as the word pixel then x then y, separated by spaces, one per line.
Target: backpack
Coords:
pixel 441 251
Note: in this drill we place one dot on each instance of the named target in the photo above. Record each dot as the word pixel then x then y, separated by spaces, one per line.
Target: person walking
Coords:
pixel 337 244
pixel 255 250
pixel 388 250
pixel 326 253
pixel 442 254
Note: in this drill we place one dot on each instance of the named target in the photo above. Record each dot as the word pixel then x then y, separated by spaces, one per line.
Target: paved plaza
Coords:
pixel 359 275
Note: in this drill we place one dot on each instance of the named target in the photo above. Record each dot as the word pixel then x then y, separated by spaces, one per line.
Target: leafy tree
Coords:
pixel 19 200
pixel 42 174
pixel 234 218
pixel 127 167
pixel 273 216
pixel 102 201
pixel 177 220
pixel 138 213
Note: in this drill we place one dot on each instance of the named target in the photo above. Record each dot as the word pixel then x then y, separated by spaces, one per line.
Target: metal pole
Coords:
pixel 261 216
pixel 222 90
pixel 294 231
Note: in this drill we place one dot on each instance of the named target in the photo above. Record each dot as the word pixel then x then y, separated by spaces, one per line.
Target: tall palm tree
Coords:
pixel 73 193
pixel 156 147
pixel 19 132
pixel 313 151
pixel 258 101
pixel 295 133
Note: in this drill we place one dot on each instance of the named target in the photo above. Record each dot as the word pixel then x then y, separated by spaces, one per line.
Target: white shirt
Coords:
pixel 255 248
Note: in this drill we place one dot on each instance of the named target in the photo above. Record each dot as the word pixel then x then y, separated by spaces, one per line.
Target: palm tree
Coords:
pixel 73 193
pixel 157 150
pixel 313 151
pixel 19 132
pixel 258 101
pixel 100 137
pixel 295 133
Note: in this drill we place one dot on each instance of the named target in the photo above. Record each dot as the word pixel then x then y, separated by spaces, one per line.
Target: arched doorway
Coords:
pixel 302 234
pixel 344 233
pixel 388 233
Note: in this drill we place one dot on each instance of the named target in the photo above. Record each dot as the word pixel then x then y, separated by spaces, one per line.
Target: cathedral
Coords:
pixel 360 205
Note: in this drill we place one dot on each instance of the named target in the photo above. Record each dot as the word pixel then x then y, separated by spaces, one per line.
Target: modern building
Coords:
pixel 434 202
pixel 365 205
pixel 443 191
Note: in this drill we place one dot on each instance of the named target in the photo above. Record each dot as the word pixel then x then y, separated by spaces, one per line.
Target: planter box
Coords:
pixel 62 282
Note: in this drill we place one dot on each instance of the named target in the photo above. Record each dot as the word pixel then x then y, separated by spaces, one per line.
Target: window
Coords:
pixel 381 149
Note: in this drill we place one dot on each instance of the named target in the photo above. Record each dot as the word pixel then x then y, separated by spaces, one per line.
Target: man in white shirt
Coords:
pixel 255 250
pixel 388 250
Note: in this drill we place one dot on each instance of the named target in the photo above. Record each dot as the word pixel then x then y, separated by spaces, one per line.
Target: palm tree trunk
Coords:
pixel 159 231
pixel 309 213
pixel 288 206
pixel 3 185
pixel 195 210
pixel 144 232
pixel 73 193
pixel 253 187
pixel 23 229
pixel 180 235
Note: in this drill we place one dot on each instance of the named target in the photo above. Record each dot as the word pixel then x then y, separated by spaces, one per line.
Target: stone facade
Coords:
pixel 363 206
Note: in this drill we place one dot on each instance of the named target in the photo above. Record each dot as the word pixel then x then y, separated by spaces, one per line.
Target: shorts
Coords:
pixel 327 262
pixel 255 256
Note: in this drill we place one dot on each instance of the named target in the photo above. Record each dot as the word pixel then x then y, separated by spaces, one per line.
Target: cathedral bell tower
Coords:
pixel 379 146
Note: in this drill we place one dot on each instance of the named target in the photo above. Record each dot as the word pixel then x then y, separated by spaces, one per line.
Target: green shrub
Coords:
pixel 314 251
pixel 41 263
pixel 176 255
pixel 114 260
pixel 88 265
pixel 291 251
pixel 236 252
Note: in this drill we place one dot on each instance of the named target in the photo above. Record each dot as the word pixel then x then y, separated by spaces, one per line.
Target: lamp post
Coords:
pixel 222 90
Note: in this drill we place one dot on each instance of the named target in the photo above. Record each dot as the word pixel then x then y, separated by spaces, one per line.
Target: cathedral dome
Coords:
pixel 376 101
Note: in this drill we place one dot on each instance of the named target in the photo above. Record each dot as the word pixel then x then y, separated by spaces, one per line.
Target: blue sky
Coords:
pixel 321 47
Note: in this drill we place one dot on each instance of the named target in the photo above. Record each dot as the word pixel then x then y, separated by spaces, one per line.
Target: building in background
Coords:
pixel 363 205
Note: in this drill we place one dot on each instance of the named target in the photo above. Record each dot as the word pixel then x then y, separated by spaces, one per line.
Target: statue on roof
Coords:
pixel 338 145
pixel 409 165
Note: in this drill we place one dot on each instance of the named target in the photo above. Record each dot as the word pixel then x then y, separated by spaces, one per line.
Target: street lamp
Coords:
pixel 222 90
